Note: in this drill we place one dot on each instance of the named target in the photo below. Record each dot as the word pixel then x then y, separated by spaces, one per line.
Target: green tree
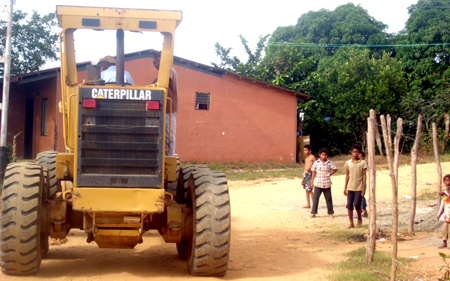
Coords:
pixel 253 67
pixel 291 63
pixel 347 24
pixel 34 41
pixel 349 84
pixel 428 67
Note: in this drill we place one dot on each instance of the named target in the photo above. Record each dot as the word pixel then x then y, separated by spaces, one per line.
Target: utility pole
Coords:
pixel 5 100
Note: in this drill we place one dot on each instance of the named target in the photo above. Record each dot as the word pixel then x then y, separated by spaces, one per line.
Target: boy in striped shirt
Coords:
pixel 322 169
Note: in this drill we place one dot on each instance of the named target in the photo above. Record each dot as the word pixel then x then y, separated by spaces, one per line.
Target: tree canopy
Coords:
pixel 34 41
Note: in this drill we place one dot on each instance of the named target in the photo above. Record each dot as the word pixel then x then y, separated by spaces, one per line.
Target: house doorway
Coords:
pixel 28 135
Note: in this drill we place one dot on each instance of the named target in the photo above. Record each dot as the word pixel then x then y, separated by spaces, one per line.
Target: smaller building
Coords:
pixel 222 116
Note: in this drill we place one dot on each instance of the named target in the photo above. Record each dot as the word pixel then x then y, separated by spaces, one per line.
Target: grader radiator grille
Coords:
pixel 120 139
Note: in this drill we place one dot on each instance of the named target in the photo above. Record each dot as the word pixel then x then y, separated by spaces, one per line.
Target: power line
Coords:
pixel 315 45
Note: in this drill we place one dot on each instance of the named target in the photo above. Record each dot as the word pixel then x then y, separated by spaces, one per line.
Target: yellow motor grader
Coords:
pixel 114 180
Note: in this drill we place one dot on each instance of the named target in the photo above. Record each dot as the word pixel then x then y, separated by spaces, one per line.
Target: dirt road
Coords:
pixel 272 238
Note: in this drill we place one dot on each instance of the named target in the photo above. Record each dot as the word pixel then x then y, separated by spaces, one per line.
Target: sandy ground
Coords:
pixel 273 238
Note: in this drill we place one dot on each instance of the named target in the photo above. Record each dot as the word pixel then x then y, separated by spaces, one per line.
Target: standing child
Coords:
pixel 355 184
pixel 446 211
pixel 307 174
pixel 322 169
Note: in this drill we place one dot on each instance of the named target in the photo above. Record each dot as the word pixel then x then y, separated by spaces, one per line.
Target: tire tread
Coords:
pixel 212 221
pixel 20 219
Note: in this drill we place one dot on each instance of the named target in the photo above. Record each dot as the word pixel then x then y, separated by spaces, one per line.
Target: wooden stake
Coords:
pixel 377 135
pixel 438 163
pixel 447 129
pixel 371 237
pixel 388 120
pixel 412 213
pixel 373 114
pixel 398 135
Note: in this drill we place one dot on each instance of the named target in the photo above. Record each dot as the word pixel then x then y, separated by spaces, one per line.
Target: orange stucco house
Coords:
pixel 222 116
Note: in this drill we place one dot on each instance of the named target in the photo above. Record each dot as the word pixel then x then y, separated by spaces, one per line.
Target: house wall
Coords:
pixel 16 116
pixel 44 89
pixel 246 122
pixel 19 93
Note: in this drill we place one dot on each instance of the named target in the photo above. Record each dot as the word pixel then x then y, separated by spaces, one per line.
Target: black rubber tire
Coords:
pixel 21 221
pixel 171 187
pixel 48 159
pixel 208 250
pixel 183 179
pixel 180 198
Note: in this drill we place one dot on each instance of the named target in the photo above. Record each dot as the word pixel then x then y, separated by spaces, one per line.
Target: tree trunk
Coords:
pixel 438 163
pixel 414 150
pixel 398 135
pixel 372 183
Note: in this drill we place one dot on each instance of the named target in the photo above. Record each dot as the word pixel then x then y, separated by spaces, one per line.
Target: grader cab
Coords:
pixel 114 180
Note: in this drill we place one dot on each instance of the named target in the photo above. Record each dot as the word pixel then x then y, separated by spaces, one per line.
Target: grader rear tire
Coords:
pixel 208 250
pixel 181 198
pixel 48 159
pixel 183 180
pixel 21 219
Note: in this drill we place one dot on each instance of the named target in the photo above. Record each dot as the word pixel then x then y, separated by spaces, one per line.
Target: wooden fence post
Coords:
pixel 414 150
pixel 371 237
pixel 388 120
pixel 398 135
pixel 447 129
pixel 438 163
pixel 373 114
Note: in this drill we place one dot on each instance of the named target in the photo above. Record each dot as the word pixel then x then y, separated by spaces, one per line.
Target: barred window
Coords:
pixel 44 116
pixel 202 101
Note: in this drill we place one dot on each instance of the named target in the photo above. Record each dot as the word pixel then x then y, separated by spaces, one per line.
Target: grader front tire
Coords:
pixel 21 221
pixel 208 250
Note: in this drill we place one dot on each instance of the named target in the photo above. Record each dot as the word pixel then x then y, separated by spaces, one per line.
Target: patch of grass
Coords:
pixel 342 233
pixel 253 171
pixel 427 195
pixel 356 268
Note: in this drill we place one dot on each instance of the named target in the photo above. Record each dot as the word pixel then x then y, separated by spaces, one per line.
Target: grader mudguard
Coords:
pixel 114 180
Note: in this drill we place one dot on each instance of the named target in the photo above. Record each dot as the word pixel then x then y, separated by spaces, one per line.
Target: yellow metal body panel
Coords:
pixel 118 13
pixel 118 238
pixel 64 160
pixel 171 168
pixel 126 200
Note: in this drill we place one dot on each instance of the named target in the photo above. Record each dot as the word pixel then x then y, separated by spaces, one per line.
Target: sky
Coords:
pixel 206 22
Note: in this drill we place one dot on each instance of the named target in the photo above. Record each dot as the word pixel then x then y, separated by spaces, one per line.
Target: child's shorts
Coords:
pixel 354 200
pixel 307 181
pixel 445 231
